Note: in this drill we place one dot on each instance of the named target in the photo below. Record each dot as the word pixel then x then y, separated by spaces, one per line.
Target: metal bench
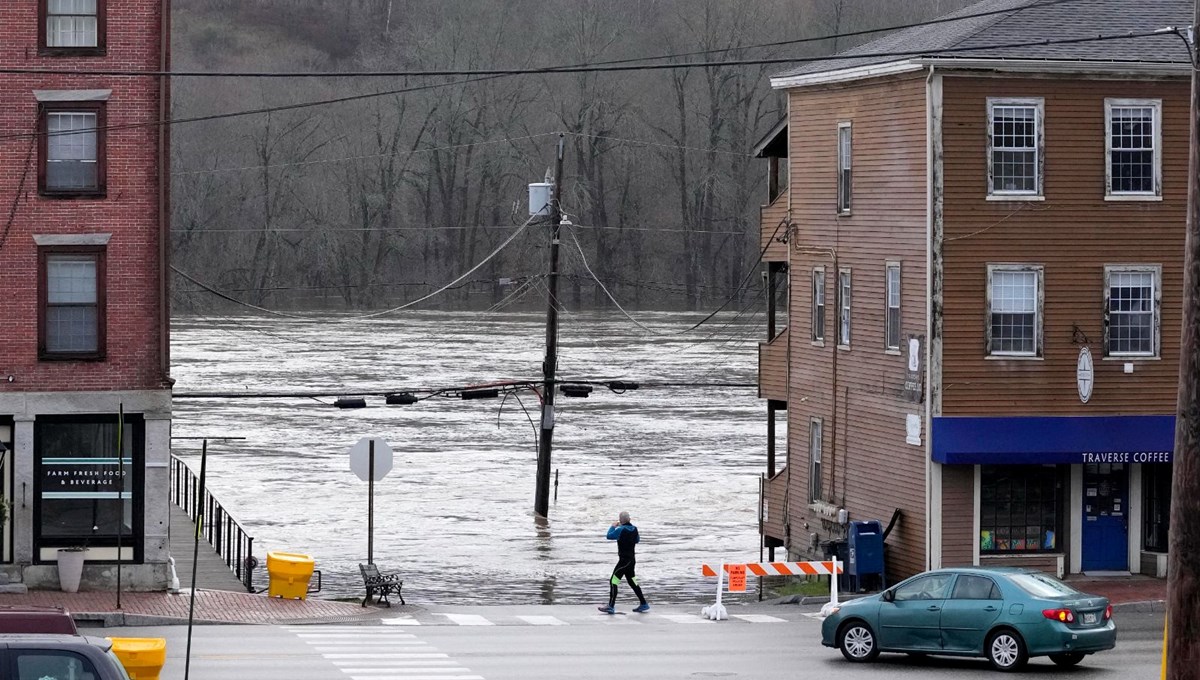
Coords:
pixel 381 585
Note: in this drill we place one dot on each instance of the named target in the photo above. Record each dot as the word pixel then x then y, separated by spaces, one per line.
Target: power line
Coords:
pixel 604 288
pixel 616 65
pixel 497 73
pixel 585 68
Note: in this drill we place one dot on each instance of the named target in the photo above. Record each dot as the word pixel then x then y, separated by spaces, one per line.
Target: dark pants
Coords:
pixel 624 570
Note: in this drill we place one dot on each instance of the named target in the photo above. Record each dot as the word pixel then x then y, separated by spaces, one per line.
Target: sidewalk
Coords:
pixel 1124 590
pixel 212 606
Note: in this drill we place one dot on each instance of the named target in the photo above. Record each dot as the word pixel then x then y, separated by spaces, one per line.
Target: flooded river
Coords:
pixel 455 514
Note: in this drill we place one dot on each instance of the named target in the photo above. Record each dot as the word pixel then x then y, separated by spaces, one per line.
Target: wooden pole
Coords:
pixel 1183 580
pixel 541 498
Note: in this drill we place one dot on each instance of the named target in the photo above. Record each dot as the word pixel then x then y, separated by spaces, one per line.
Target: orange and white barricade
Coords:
pixel 717 612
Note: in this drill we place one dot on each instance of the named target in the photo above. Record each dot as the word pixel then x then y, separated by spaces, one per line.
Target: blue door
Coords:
pixel 1105 517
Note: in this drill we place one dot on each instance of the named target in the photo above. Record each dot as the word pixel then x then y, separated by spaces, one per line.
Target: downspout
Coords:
pixel 933 103
pixel 164 204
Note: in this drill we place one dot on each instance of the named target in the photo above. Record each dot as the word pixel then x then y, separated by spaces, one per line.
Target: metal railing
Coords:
pixel 217 526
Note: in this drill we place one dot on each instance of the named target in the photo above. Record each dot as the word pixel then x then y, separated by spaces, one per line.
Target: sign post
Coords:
pixel 371 460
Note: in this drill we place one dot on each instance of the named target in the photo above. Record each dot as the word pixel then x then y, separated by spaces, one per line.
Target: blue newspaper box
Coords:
pixel 866 548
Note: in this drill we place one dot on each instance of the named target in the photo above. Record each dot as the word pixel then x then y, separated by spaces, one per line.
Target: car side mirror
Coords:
pixel 889 596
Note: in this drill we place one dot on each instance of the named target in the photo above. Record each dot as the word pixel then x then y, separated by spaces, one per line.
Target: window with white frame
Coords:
pixel 1014 310
pixel 844 167
pixel 818 305
pixel 814 457
pixel 844 308
pixel 1131 311
pixel 1133 141
pixel 1015 147
pixel 72 27
pixel 892 327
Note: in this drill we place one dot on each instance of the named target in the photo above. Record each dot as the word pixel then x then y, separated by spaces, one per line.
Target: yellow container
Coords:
pixel 290 574
pixel 143 658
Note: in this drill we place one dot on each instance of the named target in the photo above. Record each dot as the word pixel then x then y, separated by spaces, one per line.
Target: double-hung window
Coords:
pixel 1131 311
pixel 1015 310
pixel 71 313
pixel 844 168
pixel 1132 144
pixel 891 331
pixel 844 308
pixel 72 149
pixel 814 457
pixel 72 27
pixel 818 305
pixel 1015 147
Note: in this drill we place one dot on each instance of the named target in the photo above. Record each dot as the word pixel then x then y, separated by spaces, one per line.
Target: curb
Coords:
pixel 1146 606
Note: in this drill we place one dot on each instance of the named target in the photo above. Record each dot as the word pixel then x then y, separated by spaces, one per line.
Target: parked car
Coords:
pixel 1005 615
pixel 60 657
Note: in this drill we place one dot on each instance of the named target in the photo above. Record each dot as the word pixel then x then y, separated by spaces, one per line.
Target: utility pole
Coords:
pixel 541 499
pixel 1183 578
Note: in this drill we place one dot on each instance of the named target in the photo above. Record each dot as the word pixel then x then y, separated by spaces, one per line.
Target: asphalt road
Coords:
pixel 554 642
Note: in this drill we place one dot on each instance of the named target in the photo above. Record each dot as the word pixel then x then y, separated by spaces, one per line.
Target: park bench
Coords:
pixel 380 585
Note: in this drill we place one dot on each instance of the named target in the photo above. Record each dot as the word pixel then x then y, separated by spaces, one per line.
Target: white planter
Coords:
pixel 70 569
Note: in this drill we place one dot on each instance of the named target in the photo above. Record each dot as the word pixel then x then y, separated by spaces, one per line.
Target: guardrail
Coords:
pixel 217 526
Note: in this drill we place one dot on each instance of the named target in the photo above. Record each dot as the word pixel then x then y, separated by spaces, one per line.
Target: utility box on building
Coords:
pixel 865 544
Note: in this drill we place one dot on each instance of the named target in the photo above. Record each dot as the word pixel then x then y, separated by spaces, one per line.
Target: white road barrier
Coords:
pixel 831 568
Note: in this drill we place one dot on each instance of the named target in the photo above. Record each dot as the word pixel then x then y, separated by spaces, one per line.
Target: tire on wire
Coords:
pixel 857 642
pixel 1006 650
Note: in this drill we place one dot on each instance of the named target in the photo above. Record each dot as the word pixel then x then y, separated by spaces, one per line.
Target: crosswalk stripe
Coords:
pixel 389 655
pixel 469 619
pixel 617 620
pixel 416 677
pixel 685 618
pixel 758 618
pixel 543 620
pixel 401 621
pixel 352 636
pixel 402 671
pixel 364 648
pixel 447 666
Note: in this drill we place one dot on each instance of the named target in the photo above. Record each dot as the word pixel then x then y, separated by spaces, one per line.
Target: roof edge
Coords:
pixel 1116 68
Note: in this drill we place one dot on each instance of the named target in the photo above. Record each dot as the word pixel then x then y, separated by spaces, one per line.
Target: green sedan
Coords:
pixel 1004 615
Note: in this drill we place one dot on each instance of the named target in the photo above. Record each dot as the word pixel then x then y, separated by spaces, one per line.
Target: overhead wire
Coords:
pixel 497 73
pixel 607 292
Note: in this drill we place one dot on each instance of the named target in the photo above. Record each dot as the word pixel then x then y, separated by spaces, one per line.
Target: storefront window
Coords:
pixel 1156 502
pixel 1020 508
pixel 85 494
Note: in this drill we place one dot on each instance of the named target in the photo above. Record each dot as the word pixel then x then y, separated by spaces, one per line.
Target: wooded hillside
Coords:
pixel 373 202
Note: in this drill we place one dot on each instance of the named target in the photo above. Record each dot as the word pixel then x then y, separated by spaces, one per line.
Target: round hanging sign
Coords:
pixel 1084 374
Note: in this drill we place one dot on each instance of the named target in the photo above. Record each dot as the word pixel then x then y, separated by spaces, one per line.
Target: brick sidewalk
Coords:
pixel 1122 589
pixel 212 606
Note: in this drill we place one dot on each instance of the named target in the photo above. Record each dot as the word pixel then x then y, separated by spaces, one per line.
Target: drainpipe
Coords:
pixel 164 204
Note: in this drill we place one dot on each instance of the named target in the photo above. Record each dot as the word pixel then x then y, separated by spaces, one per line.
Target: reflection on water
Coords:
pixel 455 514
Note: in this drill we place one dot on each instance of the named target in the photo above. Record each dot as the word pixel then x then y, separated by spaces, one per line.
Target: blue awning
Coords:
pixel 1053 439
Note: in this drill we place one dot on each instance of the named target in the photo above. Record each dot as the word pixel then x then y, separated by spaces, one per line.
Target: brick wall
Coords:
pixel 129 211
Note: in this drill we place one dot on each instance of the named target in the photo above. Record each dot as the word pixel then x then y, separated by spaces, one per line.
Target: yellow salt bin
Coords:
pixel 143 658
pixel 290 574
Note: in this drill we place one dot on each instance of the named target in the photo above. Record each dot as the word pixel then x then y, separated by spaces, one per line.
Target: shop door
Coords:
pixel 1105 518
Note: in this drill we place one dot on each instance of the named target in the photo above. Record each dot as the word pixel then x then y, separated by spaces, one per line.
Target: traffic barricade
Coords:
pixel 737 572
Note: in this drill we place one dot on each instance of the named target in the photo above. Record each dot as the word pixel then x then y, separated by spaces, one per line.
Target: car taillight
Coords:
pixel 1064 615
pixel 1108 613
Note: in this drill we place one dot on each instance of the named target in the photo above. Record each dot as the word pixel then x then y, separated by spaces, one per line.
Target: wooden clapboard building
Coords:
pixel 983 246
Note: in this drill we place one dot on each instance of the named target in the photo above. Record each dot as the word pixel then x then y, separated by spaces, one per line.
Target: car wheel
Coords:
pixel 1006 650
pixel 857 642
pixel 1067 659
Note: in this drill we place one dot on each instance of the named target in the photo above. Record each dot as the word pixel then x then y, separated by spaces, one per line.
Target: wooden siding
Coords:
pixel 958 515
pixel 868 468
pixel 773 368
pixel 774 497
pixel 772 227
pixel 1073 234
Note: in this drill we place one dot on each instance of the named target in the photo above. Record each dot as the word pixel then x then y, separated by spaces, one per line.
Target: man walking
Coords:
pixel 626 536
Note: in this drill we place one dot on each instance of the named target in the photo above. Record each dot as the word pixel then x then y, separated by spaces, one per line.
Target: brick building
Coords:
pixel 984 244
pixel 83 289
